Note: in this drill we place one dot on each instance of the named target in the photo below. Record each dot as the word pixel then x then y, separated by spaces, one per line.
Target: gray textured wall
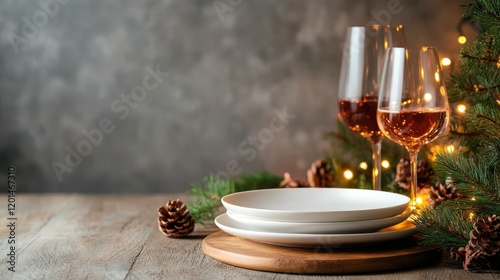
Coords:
pixel 231 64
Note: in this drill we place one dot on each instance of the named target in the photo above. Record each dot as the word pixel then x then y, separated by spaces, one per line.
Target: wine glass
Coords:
pixel 413 106
pixel 363 58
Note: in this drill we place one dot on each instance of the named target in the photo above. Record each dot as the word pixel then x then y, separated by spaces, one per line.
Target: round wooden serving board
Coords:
pixel 395 255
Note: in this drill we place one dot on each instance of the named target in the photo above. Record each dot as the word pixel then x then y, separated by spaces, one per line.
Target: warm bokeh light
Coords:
pixel 471 216
pixel 437 77
pixel 461 108
pixel 363 165
pixel 385 164
pixel 446 61
pixel 348 174
pixel 418 200
pixel 427 97
pixel 442 90
pixel 462 39
pixel 450 148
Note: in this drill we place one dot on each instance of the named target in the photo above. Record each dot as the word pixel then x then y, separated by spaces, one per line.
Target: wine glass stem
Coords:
pixel 413 185
pixel 377 168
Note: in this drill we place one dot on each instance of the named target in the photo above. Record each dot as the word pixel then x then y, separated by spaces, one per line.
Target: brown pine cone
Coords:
pixel 474 259
pixel 424 171
pixel 483 249
pixel 486 235
pixel 174 219
pixel 458 254
pixel 403 173
pixel 320 175
pixel 439 193
pixel 289 182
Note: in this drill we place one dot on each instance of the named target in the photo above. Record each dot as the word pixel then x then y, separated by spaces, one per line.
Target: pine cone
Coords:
pixel 424 171
pixel 458 254
pixel 439 193
pixel 289 182
pixel 174 219
pixel 403 173
pixel 320 175
pixel 482 251
pixel 486 236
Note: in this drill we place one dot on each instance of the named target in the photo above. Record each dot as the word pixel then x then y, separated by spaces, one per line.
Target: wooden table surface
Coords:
pixel 60 236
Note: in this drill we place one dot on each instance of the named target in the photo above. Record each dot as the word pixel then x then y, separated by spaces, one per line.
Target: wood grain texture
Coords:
pixel 244 253
pixel 116 237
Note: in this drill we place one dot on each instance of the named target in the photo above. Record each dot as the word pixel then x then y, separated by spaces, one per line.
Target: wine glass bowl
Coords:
pixel 412 128
pixel 360 117
pixel 413 106
pixel 362 64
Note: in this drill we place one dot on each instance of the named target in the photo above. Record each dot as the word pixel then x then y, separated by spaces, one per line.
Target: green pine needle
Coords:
pixel 471 175
pixel 206 196
pixel 444 226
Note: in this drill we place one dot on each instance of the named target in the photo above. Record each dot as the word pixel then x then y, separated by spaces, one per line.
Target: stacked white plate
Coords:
pixel 316 216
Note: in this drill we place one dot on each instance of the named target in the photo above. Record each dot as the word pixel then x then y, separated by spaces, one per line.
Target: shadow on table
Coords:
pixel 201 232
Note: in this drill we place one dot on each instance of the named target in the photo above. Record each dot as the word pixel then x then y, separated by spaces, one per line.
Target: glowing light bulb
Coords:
pixel 446 61
pixel 471 216
pixel 461 108
pixel 450 148
pixel 462 39
pixel 418 200
pixel 427 97
pixel 385 164
pixel 348 174
pixel 363 165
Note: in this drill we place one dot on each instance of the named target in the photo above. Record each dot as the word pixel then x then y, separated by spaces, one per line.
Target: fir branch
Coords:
pixel 491 154
pixel 476 203
pixel 468 172
pixel 486 12
pixel 487 59
pixel 481 88
pixel 255 181
pixel 493 122
pixel 443 226
pixel 482 121
pixel 206 196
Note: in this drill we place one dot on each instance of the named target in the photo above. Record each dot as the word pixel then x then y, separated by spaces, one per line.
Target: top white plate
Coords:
pixel 316 204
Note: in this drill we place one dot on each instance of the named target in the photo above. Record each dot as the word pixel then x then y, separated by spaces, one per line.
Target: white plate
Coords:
pixel 232 227
pixel 325 227
pixel 316 204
